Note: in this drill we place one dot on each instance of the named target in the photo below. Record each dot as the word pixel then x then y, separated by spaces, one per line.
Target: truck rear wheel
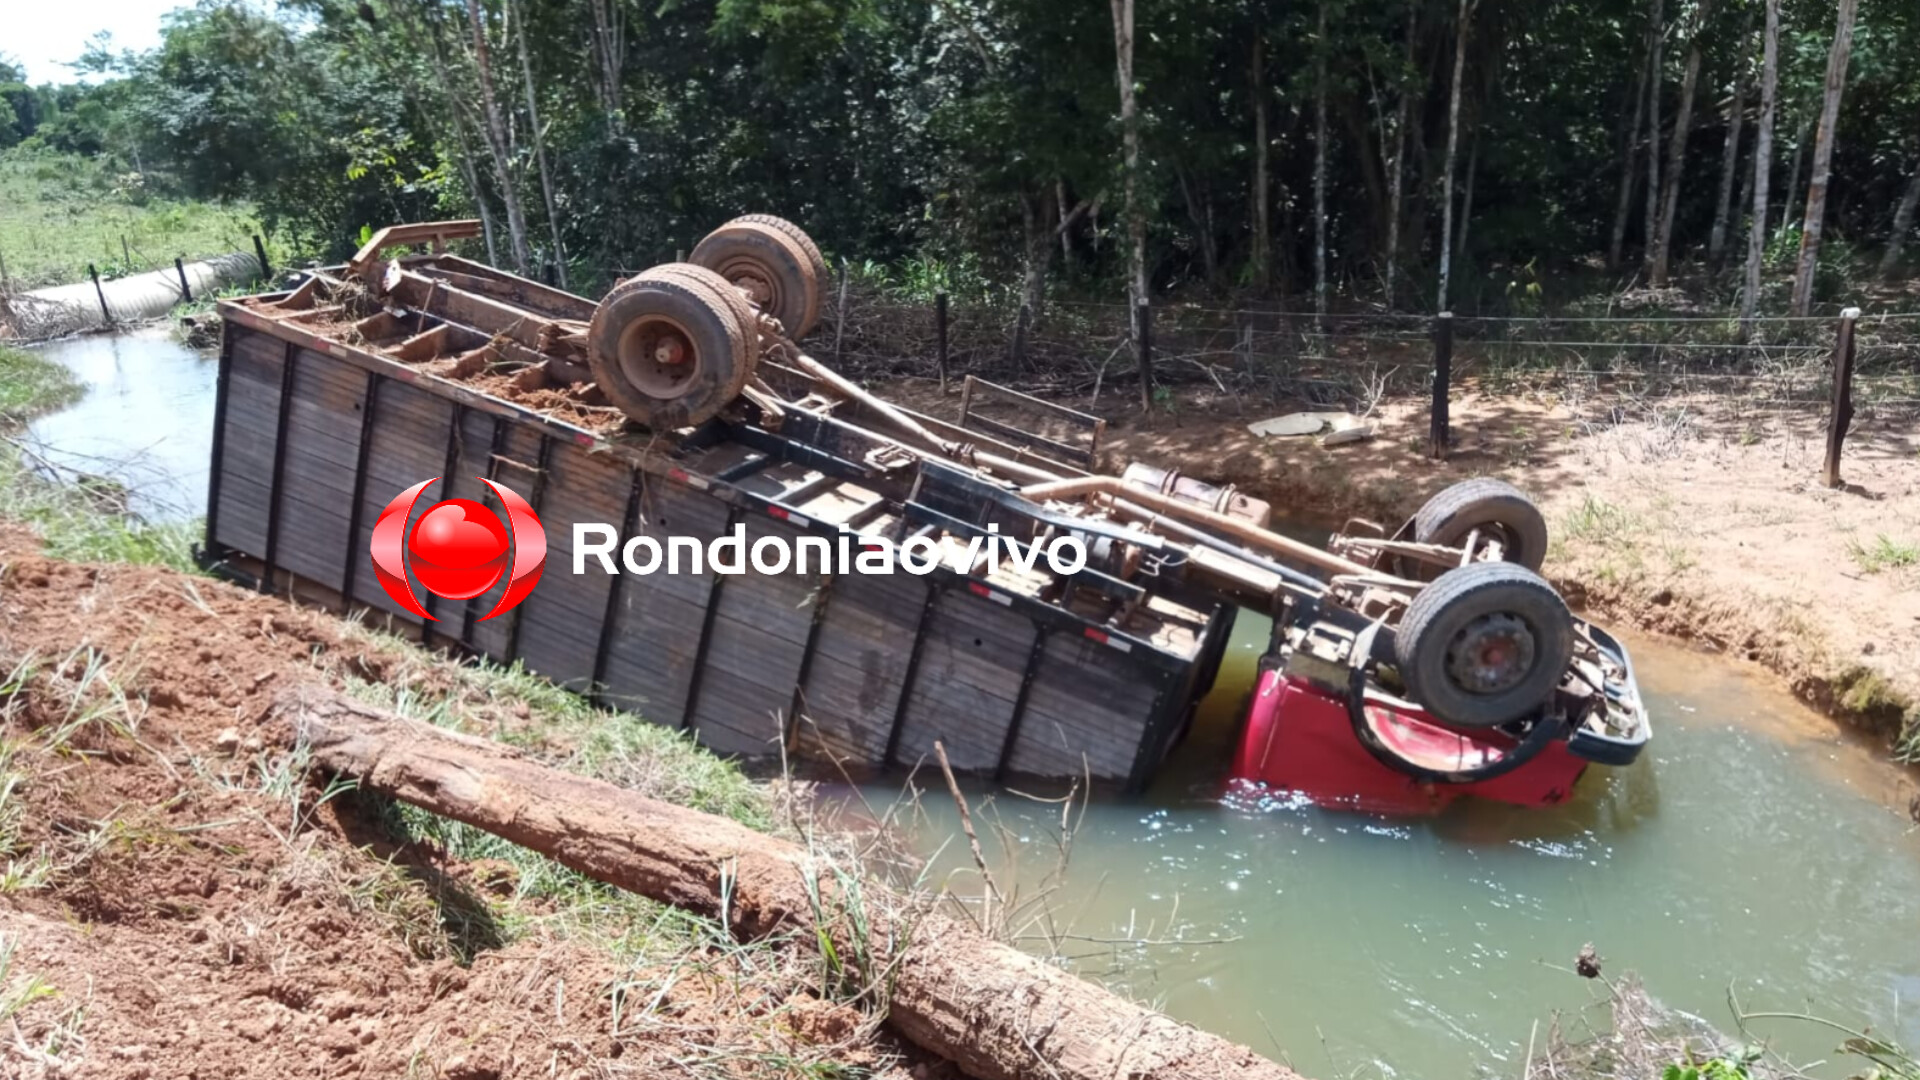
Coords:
pixel 773 263
pixel 668 348
pixel 1496 509
pixel 1484 645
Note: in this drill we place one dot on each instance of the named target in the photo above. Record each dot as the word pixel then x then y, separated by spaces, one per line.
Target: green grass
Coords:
pixel 30 384
pixel 82 522
pixel 1885 553
pixel 59 212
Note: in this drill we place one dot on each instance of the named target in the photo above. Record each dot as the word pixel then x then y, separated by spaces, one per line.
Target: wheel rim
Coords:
pixel 1497 531
pixel 753 280
pixel 657 355
pixel 1491 654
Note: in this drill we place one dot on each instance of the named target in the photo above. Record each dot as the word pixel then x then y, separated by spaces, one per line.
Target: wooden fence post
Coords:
pixel 180 268
pixel 1842 416
pixel 1439 433
pixel 940 337
pixel 1020 336
pixel 840 315
pixel 105 312
pixel 1143 346
pixel 260 252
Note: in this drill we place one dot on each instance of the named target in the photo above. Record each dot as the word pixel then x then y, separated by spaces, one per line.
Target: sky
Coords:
pixel 43 35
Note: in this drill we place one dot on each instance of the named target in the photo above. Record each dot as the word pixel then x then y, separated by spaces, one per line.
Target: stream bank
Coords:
pixel 1696 522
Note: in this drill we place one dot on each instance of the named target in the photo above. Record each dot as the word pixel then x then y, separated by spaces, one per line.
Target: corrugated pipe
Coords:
pixel 68 309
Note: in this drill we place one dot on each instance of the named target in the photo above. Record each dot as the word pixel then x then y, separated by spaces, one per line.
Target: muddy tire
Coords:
pixel 796 234
pixel 773 263
pixel 1492 506
pixel 1484 645
pixel 669 347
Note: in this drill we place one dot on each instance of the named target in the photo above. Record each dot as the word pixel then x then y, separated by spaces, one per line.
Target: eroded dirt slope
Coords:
pixel 177 903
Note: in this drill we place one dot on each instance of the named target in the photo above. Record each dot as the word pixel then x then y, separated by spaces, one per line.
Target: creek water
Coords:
pixel 1750 847
pixel 146 420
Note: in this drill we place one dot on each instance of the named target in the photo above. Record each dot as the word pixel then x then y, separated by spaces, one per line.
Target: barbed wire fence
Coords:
pixel 1088 354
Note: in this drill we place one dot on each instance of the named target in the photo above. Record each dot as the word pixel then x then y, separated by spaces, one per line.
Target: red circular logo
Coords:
pixel 458 549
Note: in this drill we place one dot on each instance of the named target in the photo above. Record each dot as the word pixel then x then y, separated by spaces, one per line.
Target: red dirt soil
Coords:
pixel 192 928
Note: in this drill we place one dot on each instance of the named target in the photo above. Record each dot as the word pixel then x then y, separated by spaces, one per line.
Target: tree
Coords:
pixel 1400 141
pixel 1320 168
pixel 1762 164
pixel 1453 150
pixel 1657 35
pixel 1730 150
pixel 1130 140
pixel 1261 256
pixel 499 150
pixel 1823 157
pixel 1677 154
pixel 1902 224
pixel 1629 159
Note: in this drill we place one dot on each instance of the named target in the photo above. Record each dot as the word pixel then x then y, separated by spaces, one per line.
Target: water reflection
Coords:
pixel 146 420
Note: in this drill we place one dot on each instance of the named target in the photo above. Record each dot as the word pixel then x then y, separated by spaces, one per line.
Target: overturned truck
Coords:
pixel 1412 665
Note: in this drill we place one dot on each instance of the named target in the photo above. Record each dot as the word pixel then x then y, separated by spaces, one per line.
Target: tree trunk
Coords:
pixel 609 51
pixel 1793 172
pixel 1399 164
pixel 1065 230
pixel 540 154
pixel 1320 170
pixel 1453 150
pixel 1823 157
pixel 1762 163
pixel 1902 224
pixel 1677 149
pixel 1730 151
pixel 1656 27
pixel 994 1011
pixel 1201 215
pixel 1037 218
pixel 1130 142
pixel 1466 195
pixel 1629 161
pixel 496 138
pixel 1261 254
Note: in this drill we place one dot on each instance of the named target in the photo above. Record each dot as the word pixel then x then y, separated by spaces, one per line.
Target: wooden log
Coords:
pixel 994 1011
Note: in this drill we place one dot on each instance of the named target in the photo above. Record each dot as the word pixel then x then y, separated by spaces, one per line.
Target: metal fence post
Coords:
pixel 260 252
pixel 101 293
pixel 1439 433
pixel 1143 346
pixel 1842 416
pixel 940 337
pixel 180 268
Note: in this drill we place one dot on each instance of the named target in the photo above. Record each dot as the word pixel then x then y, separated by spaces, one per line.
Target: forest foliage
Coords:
pixel 977 144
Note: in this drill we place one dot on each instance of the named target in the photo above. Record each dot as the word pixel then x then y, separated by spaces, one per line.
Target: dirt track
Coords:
pixel 192 918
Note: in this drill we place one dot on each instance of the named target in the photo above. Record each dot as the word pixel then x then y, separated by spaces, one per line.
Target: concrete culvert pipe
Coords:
pixel 68 309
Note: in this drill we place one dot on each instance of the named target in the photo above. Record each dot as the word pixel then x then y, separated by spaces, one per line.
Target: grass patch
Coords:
pixel 517 891
pixel 60 212
pixel 87 521
pixel 31 384
pixel 1885 553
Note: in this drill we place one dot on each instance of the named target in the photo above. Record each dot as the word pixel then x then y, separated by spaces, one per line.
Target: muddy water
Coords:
pixel 146 420
pixel 1750 847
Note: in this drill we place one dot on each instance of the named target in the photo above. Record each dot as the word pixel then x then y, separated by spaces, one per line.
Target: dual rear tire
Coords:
pixel 674 345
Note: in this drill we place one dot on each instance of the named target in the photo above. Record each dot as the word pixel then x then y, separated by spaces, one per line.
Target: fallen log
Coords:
pixel 992 1010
